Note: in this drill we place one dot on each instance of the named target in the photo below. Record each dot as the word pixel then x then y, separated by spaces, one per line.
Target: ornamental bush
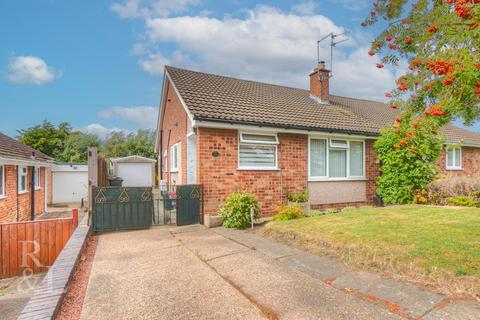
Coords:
pixel 288 212
pixel 298 197
pixel 236 210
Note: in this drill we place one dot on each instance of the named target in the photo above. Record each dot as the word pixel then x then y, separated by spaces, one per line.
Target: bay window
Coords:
pixel 454 158
pixel 336 158
pixel 257 151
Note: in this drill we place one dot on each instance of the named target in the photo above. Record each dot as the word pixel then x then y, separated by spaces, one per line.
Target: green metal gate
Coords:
pixel 121 208
pixel 179 204
pixel 189 201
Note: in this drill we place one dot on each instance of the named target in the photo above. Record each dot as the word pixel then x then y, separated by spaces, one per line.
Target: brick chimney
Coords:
pixel 319 79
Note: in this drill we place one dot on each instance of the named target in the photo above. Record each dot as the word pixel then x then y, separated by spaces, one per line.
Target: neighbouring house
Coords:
pixel 69 183
pixel 135 171
pixel 24 183
pixel 230 134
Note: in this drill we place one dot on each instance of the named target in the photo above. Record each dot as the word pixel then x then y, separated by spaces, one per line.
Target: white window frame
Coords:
pixel 174 157
pixel 38 181
pixel 243 141
pixel 327 160
pixel 2 190
pixel 453 167
pixel 20 174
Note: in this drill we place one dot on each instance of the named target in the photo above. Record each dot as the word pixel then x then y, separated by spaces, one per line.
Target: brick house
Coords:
pixel 24 183
pixel 230 134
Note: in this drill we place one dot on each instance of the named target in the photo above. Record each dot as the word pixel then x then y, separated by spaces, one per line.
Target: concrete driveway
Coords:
pixel 197 273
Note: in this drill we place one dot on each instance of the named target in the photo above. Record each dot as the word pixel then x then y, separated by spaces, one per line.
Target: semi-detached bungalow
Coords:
pixel 24 186
pixel 230 134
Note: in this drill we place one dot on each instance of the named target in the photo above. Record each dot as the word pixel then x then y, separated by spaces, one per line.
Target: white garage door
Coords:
pixel 135 174
pixel 69 186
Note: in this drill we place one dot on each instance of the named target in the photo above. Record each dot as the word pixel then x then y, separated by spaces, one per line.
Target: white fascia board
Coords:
pixel 160 109
pixel 223 125
pixel 10 161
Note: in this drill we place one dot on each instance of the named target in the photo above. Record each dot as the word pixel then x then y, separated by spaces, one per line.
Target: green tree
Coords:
pixel 46 137
pixel 439 39
pixel 120 144
pixel 76 147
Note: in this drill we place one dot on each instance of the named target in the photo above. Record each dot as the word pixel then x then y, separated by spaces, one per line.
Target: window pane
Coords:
pixel 356 158
pixel 318 157
pixel 23 183
pixel 458 157
pixel 257 156
pixel 258 137
pixel 450 157
pixel 339 143
pixel 337 163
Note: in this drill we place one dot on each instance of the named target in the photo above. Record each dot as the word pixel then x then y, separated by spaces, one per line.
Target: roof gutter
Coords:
pixel 198 123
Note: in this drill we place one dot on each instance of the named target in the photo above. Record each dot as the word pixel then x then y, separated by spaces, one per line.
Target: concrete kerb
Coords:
pixel 48 297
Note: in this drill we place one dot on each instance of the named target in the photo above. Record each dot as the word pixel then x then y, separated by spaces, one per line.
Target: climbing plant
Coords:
pixel 439 40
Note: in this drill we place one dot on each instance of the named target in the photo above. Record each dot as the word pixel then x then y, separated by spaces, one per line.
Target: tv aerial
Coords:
pixel 333 43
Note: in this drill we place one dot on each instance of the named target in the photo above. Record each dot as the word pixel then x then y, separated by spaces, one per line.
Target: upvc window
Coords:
pixel 174 158
pixel 37 178
pixel 22 179
pixel 2 180
pixel 336 159
pixel 257 151
pixel 454 158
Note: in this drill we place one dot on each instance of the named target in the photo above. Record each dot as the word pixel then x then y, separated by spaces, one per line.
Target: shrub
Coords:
pixel 421 197
pixel 442 189
pixel 408 160
pixel 298 197
pixel 236 210
pixel 463 201
pixel 288 212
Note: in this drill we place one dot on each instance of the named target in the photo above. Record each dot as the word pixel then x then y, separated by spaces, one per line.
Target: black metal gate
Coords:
pixel 121 208
pixel 180 205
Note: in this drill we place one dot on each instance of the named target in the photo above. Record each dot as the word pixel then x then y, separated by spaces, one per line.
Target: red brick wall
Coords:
pixel 220 176
pixel 13 208
pixel 175 124
pixel 470 163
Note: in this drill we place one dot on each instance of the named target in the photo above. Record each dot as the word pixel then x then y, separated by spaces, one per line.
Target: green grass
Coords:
pixel 436 241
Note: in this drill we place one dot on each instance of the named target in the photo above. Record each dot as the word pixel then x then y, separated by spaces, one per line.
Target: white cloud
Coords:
pixel 30 69
pixel 306 8
pixel 158 8
pixel 144 116
pixel 267 45
pixel 101 131
pixel 154 63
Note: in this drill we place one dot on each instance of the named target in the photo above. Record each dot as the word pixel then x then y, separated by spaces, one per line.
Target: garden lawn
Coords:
pixel 437 245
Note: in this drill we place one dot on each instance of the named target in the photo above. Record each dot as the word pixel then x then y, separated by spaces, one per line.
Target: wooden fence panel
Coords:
pixel 32 246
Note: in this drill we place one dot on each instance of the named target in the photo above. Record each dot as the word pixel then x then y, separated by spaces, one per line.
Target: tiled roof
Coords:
pixel 14 149
pixel 226 99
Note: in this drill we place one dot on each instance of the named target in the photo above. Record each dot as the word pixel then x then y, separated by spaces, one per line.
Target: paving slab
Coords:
pixel 290 293
pixel 465 310
pixel 15 294
pixel 270 248
pixel 403 294
pixel 208 245
pixel 157 281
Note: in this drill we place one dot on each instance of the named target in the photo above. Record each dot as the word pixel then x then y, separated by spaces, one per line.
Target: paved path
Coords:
pixel 15 293
pixel 197 273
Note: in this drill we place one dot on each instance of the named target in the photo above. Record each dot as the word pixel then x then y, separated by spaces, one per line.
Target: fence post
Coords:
pixel 75 218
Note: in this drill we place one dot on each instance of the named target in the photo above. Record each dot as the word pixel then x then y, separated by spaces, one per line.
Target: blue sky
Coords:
pixel 98 64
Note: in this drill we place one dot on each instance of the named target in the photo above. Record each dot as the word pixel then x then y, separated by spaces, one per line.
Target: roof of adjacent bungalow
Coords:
pixel 12 150
pixel 210 97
